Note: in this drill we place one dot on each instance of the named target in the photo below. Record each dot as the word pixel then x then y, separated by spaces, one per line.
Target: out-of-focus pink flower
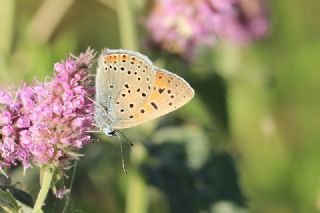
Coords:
pixel 249 23
pixel 182 25
pixel 61 193
pixel 41 124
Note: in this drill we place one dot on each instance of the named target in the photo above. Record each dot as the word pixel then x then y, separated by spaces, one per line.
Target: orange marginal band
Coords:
pixel 116 57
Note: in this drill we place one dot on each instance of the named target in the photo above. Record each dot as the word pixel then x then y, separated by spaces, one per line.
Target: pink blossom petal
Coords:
pixel 7 130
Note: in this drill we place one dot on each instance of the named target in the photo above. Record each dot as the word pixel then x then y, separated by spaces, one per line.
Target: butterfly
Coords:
pixel 131 90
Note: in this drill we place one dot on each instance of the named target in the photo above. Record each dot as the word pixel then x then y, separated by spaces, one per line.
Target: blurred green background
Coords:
pixel 247 142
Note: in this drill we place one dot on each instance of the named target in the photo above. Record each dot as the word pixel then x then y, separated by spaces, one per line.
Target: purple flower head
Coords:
pixel 11 152
pixel 48 122
pixel 180 26
pixel 248 24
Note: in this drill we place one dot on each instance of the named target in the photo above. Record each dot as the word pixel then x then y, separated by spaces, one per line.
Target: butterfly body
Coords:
pixel 130 90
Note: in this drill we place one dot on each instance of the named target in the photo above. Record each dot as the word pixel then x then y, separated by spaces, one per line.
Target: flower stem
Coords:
pixel 137 190
pixel 46 178
pixel 127 25
pixel 65 208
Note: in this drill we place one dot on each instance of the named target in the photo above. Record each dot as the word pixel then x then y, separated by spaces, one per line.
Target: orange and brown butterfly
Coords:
pixel 130 90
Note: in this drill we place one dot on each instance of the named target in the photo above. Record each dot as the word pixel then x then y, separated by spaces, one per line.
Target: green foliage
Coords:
pixel 8 202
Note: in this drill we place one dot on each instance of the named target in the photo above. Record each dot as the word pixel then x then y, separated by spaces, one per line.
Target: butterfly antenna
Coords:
pixel 121 152
pixel 126 139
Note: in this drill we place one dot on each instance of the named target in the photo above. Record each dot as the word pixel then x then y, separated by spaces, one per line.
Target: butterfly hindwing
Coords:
pixel 169 92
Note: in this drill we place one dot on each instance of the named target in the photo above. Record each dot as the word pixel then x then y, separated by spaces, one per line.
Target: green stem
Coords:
pixel 7 12
pixel 127 25
pixel 7 9
pixel 137 188
pixel 137 195
pixel 65 208
pixel 264 161
pixel 47 173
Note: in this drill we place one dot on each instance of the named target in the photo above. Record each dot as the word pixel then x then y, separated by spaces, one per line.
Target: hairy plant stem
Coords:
pixel 46 175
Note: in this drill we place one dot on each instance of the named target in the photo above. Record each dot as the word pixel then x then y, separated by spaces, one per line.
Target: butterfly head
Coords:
pixel 109 132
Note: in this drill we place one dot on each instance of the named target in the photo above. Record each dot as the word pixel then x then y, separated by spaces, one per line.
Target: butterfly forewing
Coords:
pixel 123 83
pixel 169 92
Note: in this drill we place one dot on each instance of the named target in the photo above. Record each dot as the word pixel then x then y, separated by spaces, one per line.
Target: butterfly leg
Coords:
pixel 101 107
pixel 95 131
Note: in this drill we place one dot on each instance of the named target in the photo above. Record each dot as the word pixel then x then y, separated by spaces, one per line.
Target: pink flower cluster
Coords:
pixel 181 25
pixel 48 122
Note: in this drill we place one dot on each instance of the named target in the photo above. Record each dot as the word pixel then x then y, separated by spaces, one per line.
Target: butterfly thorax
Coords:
pixel 104 121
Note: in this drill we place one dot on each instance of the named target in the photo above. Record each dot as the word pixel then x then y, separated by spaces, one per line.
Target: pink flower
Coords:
pixel 48 122
pixel 248 24
pixel 7 130
pixel 60 193
pixel 180 26
pixel 5 118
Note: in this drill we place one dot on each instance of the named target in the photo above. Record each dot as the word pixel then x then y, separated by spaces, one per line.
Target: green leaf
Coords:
pixel 8 202
pixel 21 196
